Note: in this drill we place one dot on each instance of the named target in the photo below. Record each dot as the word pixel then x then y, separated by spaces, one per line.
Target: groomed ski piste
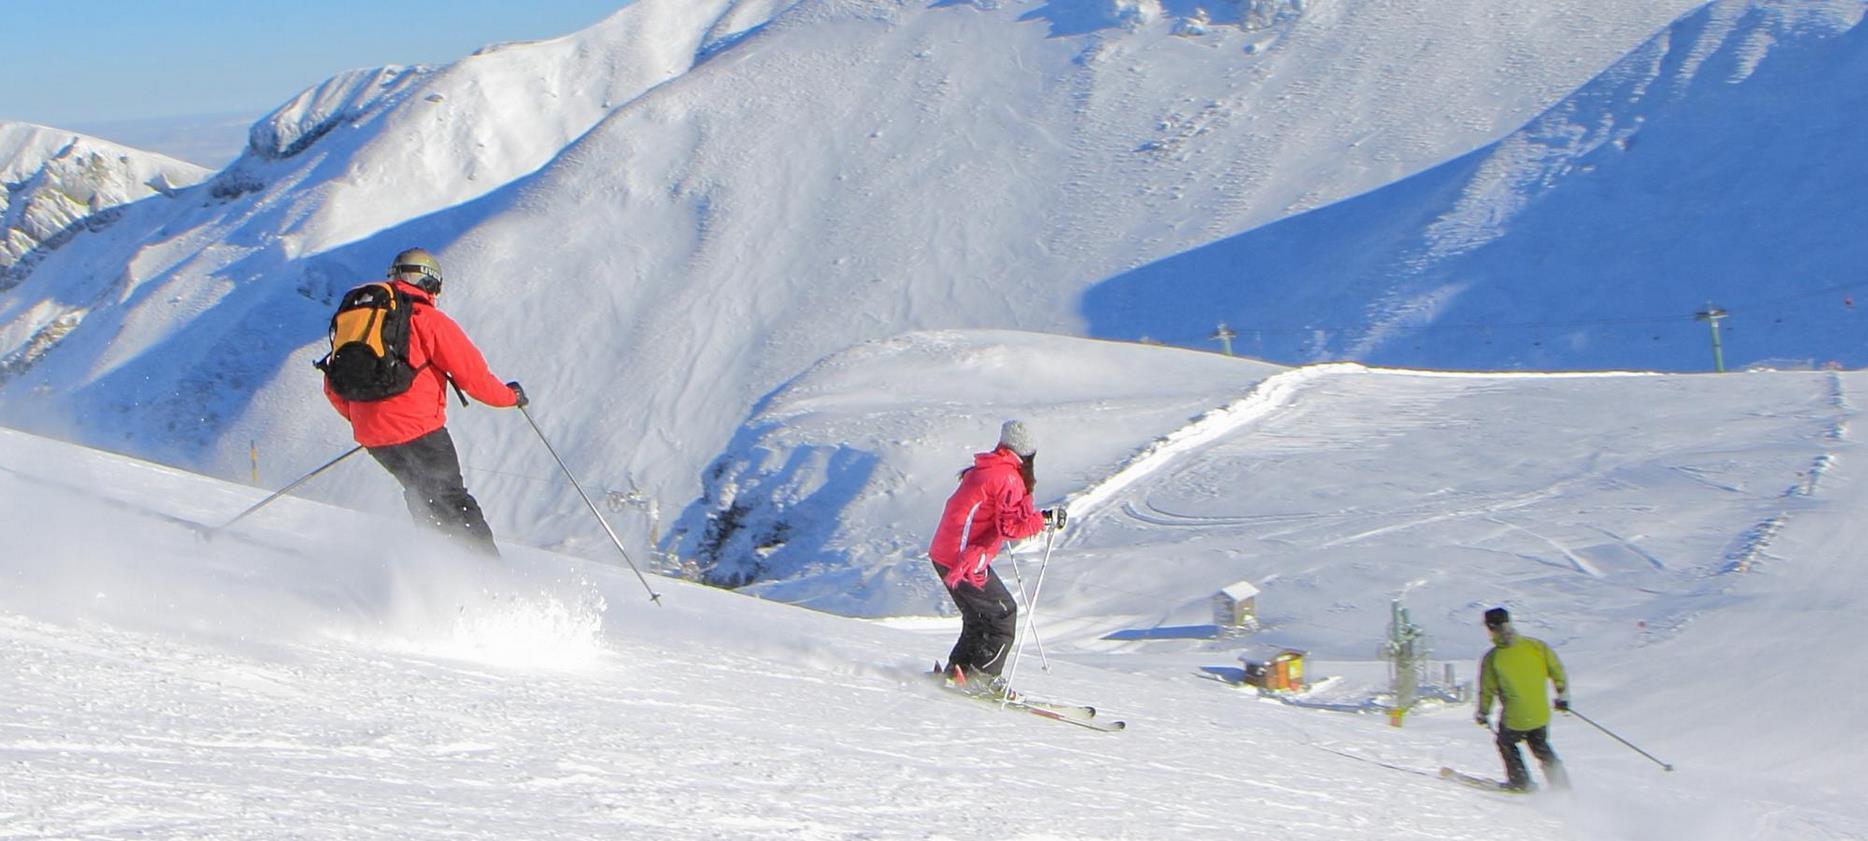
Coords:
pixel 1686 542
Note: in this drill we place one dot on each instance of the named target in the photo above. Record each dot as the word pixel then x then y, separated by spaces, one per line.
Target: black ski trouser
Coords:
pixel 988 621
pixel 1539 742
pixel 429 469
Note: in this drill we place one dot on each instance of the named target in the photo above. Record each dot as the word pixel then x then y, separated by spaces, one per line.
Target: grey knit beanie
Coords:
pixel 1015 437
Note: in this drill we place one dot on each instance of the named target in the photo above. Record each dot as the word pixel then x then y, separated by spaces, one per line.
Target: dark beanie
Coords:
pixel 1496 617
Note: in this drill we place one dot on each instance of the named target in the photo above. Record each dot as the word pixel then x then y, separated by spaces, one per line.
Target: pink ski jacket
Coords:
pixel 990 507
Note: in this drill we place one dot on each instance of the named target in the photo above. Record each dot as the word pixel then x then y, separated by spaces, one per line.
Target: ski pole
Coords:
pixel 1032 608
pixel 1023 599
pixel 653 596
pixel 207 533
pixel 1631 746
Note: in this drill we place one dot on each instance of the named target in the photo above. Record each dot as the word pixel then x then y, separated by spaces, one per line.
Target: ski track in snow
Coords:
pixel 1264 399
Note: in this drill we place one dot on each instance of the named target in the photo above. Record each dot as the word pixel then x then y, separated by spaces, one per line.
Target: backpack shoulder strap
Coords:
pixel 412 303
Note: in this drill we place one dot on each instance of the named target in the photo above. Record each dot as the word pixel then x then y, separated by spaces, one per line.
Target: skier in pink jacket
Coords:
pixel 992 505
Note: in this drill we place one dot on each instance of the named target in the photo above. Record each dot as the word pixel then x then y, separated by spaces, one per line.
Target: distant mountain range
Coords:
pixel 59 183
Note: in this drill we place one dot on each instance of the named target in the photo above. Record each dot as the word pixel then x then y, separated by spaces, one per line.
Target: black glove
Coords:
pixel 518 395
pixel 1563 704
pixel 1482 720
pixel 1055 517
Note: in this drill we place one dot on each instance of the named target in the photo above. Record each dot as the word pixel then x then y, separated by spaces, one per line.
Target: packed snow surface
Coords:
pixel 1685 543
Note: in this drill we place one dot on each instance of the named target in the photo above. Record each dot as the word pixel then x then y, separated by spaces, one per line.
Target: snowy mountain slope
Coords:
pixel 1714 164
pixel 321 672
pixel 393 144
pixel 831 492
pixel 972 171
pixel 748 184
pixel 58 183
pixel 873 437
pixel 191 310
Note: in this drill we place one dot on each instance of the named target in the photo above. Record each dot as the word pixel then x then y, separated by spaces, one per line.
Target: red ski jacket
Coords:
pixel 990 507
pixel 438 349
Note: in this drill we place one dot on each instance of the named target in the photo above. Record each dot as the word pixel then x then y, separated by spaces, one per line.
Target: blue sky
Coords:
pixel 98 61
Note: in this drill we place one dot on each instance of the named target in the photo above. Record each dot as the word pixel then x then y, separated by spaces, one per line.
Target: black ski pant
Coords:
pixel 988 620
pixel 1539 741
pixel 430 472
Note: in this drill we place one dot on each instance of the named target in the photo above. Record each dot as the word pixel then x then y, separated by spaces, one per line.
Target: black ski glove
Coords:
pixel 1055 517
pixel 518 395
pixel 1563 705
pixel 1482 720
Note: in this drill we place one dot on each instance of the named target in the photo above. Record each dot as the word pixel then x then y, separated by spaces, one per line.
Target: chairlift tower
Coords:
pixel 1711 315
pixel 634 498
pixel 1406 652
pixel 1224 336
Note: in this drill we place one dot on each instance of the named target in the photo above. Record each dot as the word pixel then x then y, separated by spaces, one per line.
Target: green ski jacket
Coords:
pixel 1514 671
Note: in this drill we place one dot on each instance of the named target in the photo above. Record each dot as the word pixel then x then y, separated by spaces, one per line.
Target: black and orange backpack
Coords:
pixel 369 358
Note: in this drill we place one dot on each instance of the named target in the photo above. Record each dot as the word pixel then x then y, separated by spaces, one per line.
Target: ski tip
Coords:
pixel 1481 783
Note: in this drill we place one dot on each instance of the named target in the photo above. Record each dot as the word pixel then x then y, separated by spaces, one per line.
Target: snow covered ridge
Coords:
pixel 449 133
pixel 1187 19
pixel 362 153
pixel 57 183
pixel 546 70
pixel 342 98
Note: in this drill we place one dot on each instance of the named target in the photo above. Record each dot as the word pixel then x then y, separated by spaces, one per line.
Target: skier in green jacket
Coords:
pixel 1514 672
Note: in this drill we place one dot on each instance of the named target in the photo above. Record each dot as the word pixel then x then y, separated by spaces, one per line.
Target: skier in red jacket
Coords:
pixel 992 505
pixel 407 433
